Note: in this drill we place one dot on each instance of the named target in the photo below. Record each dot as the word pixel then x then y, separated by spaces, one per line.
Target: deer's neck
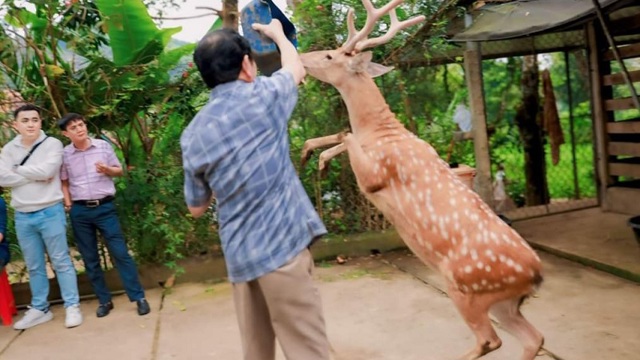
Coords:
pixel 368 110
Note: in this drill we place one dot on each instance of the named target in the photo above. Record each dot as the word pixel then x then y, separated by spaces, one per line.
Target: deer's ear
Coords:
pixel 361 62
pixel 375 70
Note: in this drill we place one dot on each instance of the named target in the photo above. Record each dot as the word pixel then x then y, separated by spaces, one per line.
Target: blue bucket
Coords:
pixel 264 49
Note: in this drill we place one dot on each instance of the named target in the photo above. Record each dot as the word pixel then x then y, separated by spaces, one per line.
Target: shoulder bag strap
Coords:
pixel 32 150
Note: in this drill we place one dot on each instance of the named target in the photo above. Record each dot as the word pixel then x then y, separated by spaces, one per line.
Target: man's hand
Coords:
pixel 271 30
pixel 102 168
pixel 288 54
pixel 112 171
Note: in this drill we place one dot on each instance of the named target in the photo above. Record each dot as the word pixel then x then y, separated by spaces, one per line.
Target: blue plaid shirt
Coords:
pixel 238 147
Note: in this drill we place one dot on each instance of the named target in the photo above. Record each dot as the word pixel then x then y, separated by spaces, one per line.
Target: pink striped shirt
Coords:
pixel 79 167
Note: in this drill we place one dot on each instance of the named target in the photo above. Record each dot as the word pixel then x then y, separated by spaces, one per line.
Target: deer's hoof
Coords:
pixel 306 155
pixel 323 168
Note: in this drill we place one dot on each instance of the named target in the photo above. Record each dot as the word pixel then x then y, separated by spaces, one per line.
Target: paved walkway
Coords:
pixel 384 308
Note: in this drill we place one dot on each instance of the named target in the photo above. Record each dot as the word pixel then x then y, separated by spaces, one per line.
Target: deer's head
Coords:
pixel 349 60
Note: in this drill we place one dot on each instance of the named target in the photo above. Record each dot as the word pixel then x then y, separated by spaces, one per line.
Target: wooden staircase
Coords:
pixel 616 117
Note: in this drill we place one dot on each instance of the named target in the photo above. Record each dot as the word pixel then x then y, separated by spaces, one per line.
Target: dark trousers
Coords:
pixel 86 221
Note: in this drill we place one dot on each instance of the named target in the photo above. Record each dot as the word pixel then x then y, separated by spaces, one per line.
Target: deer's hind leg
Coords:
pixel 474 309
pixel 510 318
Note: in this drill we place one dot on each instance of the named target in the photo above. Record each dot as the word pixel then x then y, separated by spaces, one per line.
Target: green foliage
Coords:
pixel 137 44
pixel 132 88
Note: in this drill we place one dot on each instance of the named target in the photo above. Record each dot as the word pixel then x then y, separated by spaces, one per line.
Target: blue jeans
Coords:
pixel 86 221
pixel 46 230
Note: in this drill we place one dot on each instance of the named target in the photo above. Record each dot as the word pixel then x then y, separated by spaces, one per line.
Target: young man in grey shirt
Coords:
pixel 30 167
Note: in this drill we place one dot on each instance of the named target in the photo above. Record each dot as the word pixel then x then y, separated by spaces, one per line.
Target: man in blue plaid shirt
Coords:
pixel 237 149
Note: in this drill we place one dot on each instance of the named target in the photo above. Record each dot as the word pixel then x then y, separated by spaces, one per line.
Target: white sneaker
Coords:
pixel 32 318
pixel 74 316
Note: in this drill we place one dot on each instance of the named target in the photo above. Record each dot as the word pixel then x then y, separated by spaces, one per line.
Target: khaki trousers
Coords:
pixel 283 304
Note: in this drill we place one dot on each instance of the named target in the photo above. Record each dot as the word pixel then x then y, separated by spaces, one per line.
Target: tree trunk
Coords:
pixel 537 191
pixel 411 122
pixel 230 14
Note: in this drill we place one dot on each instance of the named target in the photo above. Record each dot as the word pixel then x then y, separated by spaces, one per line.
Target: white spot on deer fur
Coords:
pixel 502 258
pixel 518 268
pixel 464 251
pixel 480 265
pixel 465 238
pixel 468 269
pixel 474 255
pixel 484 282
pixel 509 263
pixel 475 287
pixel 487 268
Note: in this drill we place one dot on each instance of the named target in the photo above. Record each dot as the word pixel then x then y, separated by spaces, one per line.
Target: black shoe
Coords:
pixel 143 307
pixel 104 309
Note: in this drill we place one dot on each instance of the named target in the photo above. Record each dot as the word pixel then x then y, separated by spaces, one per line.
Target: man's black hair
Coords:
pixel 219 55
pixel 26 107
pixel 62 123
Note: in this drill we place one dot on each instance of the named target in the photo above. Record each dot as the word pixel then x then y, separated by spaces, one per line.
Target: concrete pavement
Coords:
pixel 389 307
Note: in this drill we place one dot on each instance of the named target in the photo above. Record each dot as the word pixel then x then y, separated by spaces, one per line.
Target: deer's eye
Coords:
pixel 328 57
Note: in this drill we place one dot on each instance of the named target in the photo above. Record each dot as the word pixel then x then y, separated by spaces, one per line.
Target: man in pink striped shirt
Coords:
pixel 88 168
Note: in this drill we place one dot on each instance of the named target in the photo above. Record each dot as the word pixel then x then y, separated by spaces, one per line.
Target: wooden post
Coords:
pixel 473 74
pixel 599 116
pixel 572 133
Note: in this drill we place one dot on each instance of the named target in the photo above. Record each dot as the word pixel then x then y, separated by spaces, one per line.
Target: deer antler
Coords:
pixel 358 40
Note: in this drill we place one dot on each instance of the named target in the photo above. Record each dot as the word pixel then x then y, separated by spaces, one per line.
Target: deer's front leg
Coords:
pixel 369 173
pixel 312 144
pixel 327 155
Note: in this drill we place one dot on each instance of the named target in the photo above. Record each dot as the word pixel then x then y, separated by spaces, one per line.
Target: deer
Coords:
pixel 487 266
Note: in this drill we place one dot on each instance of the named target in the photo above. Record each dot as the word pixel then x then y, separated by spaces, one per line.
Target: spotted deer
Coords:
pixel 488 267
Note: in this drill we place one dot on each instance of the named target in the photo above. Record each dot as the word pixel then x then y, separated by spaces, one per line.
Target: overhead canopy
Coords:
pixel 515 28
pixel 524 18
